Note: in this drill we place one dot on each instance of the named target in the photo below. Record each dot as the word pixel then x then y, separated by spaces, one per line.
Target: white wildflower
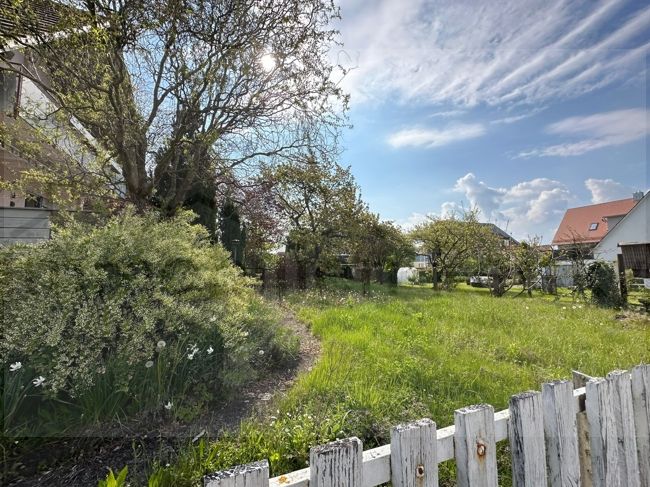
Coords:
pixel 190 356
pixel 169 405
pixel 210 350
pixel 38 381
pixel 245 334
pixel 149 364
pixel 261 352
pixel 563 307
pixel 15 366
pixel 161 344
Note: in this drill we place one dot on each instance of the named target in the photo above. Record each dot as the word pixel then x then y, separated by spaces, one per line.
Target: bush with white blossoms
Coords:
pixel 123 293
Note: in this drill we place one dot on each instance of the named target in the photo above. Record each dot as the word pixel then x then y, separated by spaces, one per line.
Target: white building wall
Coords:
pixel 634 228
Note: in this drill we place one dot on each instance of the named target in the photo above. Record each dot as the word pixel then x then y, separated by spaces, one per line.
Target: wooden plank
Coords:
pixel 602 431
pixel 24 222
pixel 413 455
pixel 526 434
pixel 250 475
pixel 25 212
pixel 476 458
pixel 561 434
pixel 620 382
pixel 337 464
pixel 641 406
pixel 20 233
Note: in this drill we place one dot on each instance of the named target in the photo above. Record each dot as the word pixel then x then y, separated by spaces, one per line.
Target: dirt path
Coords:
pixel 137 444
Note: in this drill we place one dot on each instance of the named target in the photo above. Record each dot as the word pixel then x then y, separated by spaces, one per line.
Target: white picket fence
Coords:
pixel 597 435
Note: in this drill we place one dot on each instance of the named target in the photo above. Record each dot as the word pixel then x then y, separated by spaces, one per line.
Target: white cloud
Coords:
pixel 528 208
pixel 509 51
pixel 595 132
pixel 603 190
pixel 428 138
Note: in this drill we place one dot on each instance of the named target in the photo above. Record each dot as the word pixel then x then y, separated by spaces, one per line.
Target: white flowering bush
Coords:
pixel 95 302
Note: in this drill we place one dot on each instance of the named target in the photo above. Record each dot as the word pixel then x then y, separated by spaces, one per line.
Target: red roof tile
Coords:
pixel 575 226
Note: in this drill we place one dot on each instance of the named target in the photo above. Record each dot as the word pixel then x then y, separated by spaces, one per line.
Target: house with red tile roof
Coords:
pixel 587 225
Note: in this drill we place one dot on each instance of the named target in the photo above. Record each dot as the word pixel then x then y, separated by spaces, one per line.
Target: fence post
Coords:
pixel 250 475
pixel 561 433
pixel 413 453
pixel 475 446
pixel 337 464
pixel 621 393
pixel 641 405
pixel 526 436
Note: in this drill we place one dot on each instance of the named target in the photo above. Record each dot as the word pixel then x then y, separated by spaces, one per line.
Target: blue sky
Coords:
pixel 522 108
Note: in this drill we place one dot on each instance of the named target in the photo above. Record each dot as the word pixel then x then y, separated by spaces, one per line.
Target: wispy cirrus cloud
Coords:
pixel 429 137
pixel 593 132
pixel 511 51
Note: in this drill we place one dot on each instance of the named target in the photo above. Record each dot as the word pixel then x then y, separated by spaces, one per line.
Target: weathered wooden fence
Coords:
pixel 547 443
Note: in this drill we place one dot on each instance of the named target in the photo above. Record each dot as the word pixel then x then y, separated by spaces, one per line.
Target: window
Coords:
pixel 593 226
pixel 8 91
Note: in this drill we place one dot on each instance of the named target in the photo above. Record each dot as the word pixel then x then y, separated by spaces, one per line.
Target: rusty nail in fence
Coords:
pixel 480 449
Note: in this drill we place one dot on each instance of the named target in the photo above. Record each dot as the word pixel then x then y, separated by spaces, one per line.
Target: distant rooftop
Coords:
pixel 588 224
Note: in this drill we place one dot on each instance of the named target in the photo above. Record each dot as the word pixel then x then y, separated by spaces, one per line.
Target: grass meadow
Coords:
pixel 400 354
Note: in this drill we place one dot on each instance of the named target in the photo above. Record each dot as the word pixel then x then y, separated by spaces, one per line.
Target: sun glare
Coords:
pixel 268 62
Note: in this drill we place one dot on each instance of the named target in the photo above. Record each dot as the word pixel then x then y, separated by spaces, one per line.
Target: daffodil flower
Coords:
pixel 210 350
pixel 15 366
pixel 38 381
pixel 169 405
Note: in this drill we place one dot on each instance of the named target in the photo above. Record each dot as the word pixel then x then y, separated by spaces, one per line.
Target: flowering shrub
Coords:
pixel 135 299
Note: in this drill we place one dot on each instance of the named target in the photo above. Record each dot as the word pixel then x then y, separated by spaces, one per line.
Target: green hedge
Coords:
pixel 140 312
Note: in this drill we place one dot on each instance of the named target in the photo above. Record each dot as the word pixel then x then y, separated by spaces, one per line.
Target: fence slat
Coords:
pixel 641 405
pixel 526 436
pixel 475 446
pixel 613 448
pixel 561 434
pixel 250 475
pixel 621 389
pixel 337 464
pixel 413 454
pixel 602 434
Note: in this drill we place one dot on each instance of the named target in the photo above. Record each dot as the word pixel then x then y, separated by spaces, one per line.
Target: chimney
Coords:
pixel 637 195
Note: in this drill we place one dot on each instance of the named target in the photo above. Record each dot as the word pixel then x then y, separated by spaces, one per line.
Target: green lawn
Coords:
pixel 406 353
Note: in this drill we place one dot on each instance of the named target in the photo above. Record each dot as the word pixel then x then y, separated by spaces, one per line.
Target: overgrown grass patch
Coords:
pixel 405 353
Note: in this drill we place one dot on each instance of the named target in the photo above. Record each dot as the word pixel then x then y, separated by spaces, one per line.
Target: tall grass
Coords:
pixel 402 354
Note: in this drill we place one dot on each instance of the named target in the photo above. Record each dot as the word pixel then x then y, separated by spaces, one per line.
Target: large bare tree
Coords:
pixel 177 90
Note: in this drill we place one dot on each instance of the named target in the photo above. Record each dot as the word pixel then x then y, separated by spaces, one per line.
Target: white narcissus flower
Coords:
pixel 261 352
pixel 38 381
pixel 15 366
pixel 210 350
pixel 149 364
pixel 161 344
pixel 168 405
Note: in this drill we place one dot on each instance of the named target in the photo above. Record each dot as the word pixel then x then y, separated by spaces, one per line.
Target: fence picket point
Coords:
pixel 641 406
pixel 526 434
pixel 254 474
pixel 561 434
pixel 413 458
pixel 337 464
pixel 475 445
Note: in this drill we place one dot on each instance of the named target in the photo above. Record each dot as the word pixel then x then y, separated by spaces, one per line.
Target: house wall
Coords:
pixel 24 225
pixel 634 228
